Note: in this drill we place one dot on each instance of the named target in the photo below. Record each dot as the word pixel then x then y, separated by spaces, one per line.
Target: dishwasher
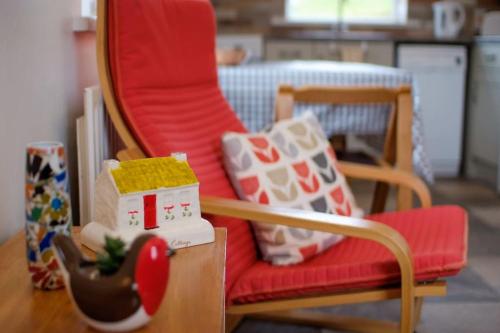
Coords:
pixel 439 72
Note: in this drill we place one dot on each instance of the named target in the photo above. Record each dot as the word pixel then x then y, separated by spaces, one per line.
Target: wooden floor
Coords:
pixel 473 303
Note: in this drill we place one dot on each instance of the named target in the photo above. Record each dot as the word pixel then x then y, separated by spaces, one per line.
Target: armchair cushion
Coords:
pixel 292 165
pixel 437 237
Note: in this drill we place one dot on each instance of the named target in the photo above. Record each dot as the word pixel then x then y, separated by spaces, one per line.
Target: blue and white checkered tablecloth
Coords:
pixel 251 90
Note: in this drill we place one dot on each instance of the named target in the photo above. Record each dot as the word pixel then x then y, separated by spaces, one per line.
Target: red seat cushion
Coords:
pixel 437 237
pixel 162 59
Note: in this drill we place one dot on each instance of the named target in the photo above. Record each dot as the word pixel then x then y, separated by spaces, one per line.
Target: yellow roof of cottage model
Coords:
pixel 152 174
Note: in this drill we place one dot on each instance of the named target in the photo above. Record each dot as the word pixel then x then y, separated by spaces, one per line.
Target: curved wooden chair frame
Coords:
pixel 410 292
pixel 398 147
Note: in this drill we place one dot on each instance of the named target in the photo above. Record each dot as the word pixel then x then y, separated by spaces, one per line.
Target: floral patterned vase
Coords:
pixel 48 210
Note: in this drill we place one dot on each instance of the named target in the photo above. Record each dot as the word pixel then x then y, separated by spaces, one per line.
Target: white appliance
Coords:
pixel 440 73
pixel 449 18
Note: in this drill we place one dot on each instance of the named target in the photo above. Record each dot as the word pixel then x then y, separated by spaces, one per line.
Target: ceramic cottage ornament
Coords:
pixel 123 289
pixel 154 195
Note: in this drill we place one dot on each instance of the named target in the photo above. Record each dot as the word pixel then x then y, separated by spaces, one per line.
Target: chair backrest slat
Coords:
pixel 288 95
pixel 343 95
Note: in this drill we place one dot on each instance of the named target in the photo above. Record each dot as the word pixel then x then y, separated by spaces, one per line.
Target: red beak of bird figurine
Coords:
pixel 122 299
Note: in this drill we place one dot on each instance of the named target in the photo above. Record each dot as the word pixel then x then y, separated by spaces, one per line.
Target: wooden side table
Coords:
pixel 194 301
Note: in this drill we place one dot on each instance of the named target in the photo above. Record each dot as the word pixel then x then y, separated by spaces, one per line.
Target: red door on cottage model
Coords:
pixel 150 212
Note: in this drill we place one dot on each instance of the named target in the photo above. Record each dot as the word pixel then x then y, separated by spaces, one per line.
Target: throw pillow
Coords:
pixel 291 165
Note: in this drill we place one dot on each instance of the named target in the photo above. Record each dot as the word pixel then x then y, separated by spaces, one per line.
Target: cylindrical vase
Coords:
pixel 48 210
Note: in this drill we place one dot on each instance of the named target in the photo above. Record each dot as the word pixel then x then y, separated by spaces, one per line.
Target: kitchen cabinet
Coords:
pixel 252 42
pixel 327 50
pixel 380 53
pixel 373 52
pixel 289 50
pixel 484 114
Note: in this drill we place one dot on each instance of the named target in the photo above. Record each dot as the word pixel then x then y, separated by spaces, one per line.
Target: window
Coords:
pixel 89 8
pixel 347 11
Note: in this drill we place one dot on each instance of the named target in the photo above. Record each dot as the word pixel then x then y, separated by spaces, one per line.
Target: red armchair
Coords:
pixel 158 74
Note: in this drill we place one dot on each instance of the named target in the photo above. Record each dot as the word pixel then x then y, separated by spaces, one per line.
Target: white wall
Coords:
pixel 43 69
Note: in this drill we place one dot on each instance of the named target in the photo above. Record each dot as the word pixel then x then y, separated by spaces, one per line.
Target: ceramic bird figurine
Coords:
pixel 119 301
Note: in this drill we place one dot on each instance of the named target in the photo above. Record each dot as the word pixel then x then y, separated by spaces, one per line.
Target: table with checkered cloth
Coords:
pixel 251 90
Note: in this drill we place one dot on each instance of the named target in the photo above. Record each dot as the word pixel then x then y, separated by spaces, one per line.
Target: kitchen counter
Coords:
pixel 377 36
pixel 487 39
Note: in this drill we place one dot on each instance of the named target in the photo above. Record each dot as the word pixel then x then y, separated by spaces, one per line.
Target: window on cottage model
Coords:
pixel 383 12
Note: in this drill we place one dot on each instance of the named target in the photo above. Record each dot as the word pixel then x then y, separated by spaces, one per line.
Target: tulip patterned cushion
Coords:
pixel 292 165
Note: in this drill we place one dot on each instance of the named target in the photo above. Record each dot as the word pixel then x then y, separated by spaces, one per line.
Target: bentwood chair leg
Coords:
pixel 419 301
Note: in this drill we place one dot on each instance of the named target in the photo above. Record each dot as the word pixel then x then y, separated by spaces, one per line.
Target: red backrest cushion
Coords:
pixel 162 58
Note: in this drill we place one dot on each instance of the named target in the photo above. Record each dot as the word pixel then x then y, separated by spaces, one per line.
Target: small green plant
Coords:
pixel 109 261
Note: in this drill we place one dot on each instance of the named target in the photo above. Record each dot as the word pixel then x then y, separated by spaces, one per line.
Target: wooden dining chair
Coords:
pixel 398 146
pixel 158 75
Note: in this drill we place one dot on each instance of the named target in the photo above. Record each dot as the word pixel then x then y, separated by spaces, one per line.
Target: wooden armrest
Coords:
pixel 354 227
pixel 349 226
pixel 388 175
